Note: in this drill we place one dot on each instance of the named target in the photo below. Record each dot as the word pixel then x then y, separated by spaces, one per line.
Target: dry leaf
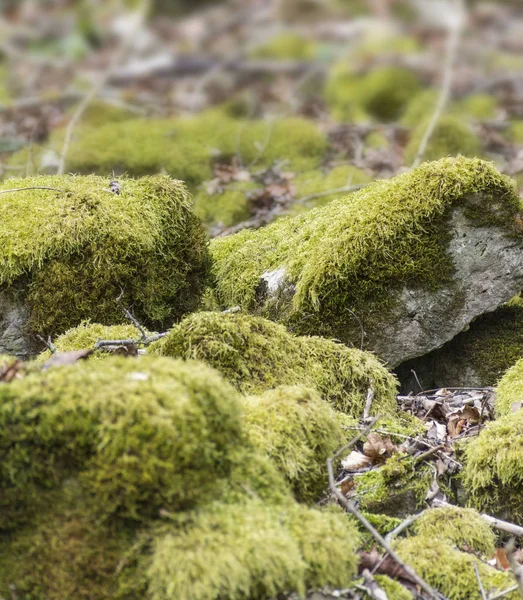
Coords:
pixel 61 359
pixel 501 559
pixel 9 371
pixel 371 560
pixel 378 448
pixel 356 461
pixel 347 486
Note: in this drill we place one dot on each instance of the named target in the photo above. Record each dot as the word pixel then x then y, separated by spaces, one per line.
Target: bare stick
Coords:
pixel 480 583
pixel 428 453
pixel 504 593
pixel 48 343
pixel 372 588
pixel 368 403
pixel 100 84
pixel 448 72
pixel 515 567
pixel 340 190
pixel 129 315
pixel 31 187
pixel 402 526
pixel 140 342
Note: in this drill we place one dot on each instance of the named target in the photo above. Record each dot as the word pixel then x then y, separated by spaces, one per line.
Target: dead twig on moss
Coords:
pixel 340 190
pixel 455 27
pixel 480 583
pixel 48 343
pixel 368 403
pixel 351 508
pixel 139 342
pixel 504 593
pixel 402 526
pixel 31 187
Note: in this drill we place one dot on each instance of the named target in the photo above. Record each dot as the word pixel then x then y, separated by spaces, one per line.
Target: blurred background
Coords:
pixel 264 107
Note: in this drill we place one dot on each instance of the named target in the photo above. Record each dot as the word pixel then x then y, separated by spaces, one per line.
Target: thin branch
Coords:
pixel 515 567
pixel 504 593
pixel 112 67
pixel 428 453
pixel 480 583
pixel 32 187
pixel 372 588
pixel 129 315
pixel 140 342
pixel 340 190
pixel 48 343
pixel 455 29
pixel 368 403
pixel 402 526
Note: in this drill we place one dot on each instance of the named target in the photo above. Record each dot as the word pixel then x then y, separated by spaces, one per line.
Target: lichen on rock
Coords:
pixel 256 355
pixel 71 250
pixel 391 261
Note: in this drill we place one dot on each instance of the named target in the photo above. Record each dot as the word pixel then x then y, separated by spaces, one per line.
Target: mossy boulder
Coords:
pixel 256 355
pixel 476 357
pixel 401 266
pixel 253 551
pixel 493 470
pixel 68 253
pixel 450 571
pixel 510 390
pixel 382 93
pixel 451 137
pixel 298 431
pixel 139 435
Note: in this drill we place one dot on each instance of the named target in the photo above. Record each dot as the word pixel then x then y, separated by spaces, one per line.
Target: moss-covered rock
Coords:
pixel 493 471
pixel 460 527
pixel 510 389
pixel 256 355
pixel 450 137
pixel 382 93
pixel 253 551
pixel 298 431
pixel 186 148
pixel 450 571
pixel 139 435
pixel 69 251
pixel 379 265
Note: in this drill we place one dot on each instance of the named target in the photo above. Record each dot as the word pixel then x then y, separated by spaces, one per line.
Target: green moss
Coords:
pixel 383 92
pixel 286 46
pixel 393 588
pixel 450 571
pixel 76 247
pixel 515 132
pixel 140 434
pixel 377 141
pixel 420 108
pixel 476 106
pixel 510 388
pixel 256 355
pixel 450 137
pixel 99 113
pixel 87 334
pixel 461 527
pixel 395 489
pixel 186 148
pixel 298 431
pixel 253 551
pixel 343 263
pixel 493 471
pixel 229 207
pixel 314 182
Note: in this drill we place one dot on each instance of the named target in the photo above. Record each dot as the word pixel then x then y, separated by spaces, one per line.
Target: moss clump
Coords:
pixel 228 207
pixel 515 132
pixel 314 182
pixel 396 489
pixel 450 571
pixel 344 262
pixel 75 247
pixel 253 551
pixel 376 140
pixel 476 106
pixel 382 93
pixel 420 108
pixel 450 137
pixel 493 471
pixel 286 46
pixel 298 431
pixel 99 113
pixel 140 435
pixel 510 388
pixel 186 148
pixel 256 355
pixel 393 588
pixel 461 527
pixel 87 334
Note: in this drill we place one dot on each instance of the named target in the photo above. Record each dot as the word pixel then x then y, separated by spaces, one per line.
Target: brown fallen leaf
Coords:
pixel 356 461
pixel 9 371
pixel 374 562
pixel 378 449
pixel 501 559
pixel 347 486
pixel 61 359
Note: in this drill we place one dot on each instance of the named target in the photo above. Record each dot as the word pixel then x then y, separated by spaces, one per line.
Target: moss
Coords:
pixel 510 388
pixel 76 247
pixel 460 527
pixel 99 113
pixel 87 334
pixel 287 46
pixel 476 106
pixel 186 148
pixel 377 141
pixel 383 93
pixel 344 262
pixel 396 489
pixel 493 471
pixel 256 355
pixel 450 137
pixel 515 132
pixel 382 523
pixel 420 108
pixel 253 551
pixel 450 571
pixel 298 431
pixel 393 588
pixel 228 207
pixel 140 434
pixel 314 182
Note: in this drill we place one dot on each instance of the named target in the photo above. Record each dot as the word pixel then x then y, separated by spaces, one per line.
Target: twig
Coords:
pixel 428 453
pixel 144 342
pixel 515 567
pixel 128 314
pixel 504 593
pixel 402 526
pixel 455 28
pixel 351 508
pixel 372 588
pixel 31 187
pixel 48 343
pixel 368 403
pixel 416 378
pixel 114 63
pixel 480 583
pixel 340 190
